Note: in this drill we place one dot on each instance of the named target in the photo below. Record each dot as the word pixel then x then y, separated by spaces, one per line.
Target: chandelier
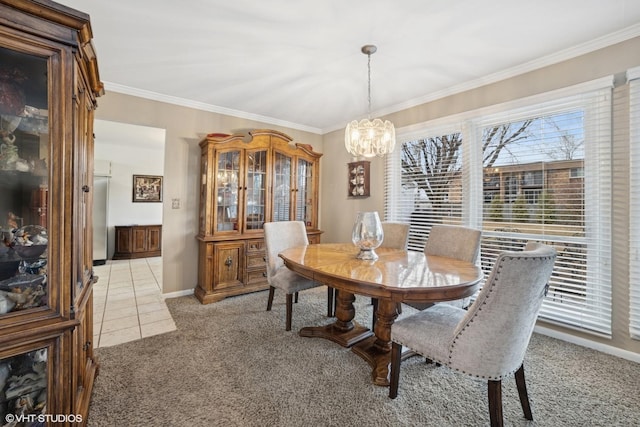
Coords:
pixel 367 138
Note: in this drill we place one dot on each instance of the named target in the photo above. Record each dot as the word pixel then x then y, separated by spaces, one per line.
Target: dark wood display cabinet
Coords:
pixel 243 185
pixel 49 84
pixel 138 241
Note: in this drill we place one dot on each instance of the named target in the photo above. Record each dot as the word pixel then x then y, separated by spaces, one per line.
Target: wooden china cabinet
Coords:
pixel 49 83
pixel 244 184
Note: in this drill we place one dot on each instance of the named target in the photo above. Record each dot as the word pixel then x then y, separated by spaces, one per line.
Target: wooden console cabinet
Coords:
pixel 138 241
pixel 243 185
pixel 49 85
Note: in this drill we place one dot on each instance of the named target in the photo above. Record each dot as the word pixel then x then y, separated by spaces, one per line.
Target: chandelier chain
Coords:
pixel 369 84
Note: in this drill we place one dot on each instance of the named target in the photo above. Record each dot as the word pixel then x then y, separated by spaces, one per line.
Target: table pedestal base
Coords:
pixel 335 334
pixel 378 359
pixel 344 331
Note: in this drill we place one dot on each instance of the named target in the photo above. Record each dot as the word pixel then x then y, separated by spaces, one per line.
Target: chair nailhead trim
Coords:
pixel 453 343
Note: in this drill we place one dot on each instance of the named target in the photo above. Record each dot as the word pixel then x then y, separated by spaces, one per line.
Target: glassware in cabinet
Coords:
pixel 24 181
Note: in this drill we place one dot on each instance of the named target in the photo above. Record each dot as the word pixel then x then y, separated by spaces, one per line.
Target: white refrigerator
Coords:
pixel 100 211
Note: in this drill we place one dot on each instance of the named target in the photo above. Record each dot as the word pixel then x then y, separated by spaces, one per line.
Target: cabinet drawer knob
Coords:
pixel 85 188
pixel 228 261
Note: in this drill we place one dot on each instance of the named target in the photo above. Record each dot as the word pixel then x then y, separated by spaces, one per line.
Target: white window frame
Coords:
pixel 633 77
pixel 594 97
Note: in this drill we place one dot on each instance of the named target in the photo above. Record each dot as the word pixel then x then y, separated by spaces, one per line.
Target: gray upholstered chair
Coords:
pixel 396 236
pixel 489 340
pixel 279 236
pixel 454 241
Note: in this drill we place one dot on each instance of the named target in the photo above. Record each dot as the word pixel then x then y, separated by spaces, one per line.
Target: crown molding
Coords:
pixel 554 58
pixel 154 96
pixel 563 55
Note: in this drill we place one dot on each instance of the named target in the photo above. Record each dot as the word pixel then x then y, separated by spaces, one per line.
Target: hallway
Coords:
pixel 128 303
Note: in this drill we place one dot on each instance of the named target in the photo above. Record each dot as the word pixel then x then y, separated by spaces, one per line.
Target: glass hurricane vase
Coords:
pixel 367 234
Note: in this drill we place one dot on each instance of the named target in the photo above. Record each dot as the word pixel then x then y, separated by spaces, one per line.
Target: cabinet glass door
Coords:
pixel 256 190
pixel 83 135
pixel 304 193
pixel 227 185
pixel 282 188
pixel 23 386
pixel 24 181
pixel 203 221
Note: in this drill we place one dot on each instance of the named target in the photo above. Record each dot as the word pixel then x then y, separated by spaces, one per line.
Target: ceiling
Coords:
pixel 298 63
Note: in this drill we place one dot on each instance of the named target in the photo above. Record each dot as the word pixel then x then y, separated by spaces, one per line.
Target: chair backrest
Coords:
pixel 454 241
pixel 279 236
pixel 396 235
pixel 491 340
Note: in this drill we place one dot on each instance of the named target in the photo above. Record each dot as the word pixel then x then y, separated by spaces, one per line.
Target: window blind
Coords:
pixel 634 202
pixel 547 177
pixel 424 183
pixel 536 172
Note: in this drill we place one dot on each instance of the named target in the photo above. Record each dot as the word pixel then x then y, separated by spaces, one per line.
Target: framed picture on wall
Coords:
pixel 147 188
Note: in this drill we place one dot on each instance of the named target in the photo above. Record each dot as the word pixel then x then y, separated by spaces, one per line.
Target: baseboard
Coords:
pixel 604 348
pixel 177 294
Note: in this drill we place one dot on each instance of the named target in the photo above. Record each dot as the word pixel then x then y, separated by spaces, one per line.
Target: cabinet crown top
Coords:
pixel 264 136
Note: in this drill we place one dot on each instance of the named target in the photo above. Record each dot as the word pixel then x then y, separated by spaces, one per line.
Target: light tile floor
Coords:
pixel 128 303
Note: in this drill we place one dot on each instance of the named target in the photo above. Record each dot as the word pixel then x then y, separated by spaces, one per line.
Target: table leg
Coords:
pixel 344 331
pixel 376 350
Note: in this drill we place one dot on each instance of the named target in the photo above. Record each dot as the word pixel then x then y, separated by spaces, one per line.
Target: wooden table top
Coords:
pixel 397 274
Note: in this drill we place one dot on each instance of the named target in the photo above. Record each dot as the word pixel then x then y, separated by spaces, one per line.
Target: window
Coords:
pixel 430 190
pixel 577 172
pixel 634 201
pixel 537 172
pixel 541 197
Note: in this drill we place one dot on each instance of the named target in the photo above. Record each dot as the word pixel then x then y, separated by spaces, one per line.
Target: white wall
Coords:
pixel 131 150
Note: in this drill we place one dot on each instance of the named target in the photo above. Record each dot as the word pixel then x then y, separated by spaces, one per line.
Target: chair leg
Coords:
pixel 296 298
pixel 495 402
pixel 270 300
pixel 522 392
pixel 289 309
pixel 396 358
pixel 330 304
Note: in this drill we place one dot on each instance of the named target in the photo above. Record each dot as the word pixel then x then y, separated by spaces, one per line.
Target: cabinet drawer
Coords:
pixel 256 245
pixel 257 276
pixel 254 261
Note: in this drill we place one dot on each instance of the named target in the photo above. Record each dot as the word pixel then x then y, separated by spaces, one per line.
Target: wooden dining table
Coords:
pixel 397 276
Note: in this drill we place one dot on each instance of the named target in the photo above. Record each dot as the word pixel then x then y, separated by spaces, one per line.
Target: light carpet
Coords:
pixel 231 363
